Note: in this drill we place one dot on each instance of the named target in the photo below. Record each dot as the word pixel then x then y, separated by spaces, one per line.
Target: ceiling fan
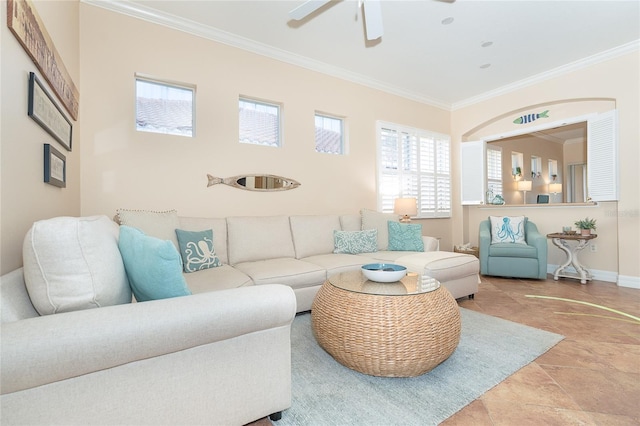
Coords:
pixel 371 11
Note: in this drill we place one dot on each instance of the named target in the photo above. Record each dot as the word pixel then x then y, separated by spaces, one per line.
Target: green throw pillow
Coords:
pixel 405 237
pixel 196 249
pixel 153 266
pixel 354 242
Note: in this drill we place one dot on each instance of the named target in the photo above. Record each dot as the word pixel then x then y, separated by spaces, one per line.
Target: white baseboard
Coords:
pixel 629 281
pixel 608 276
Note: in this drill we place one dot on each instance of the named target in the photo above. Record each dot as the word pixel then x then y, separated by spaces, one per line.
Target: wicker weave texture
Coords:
pixel 389 336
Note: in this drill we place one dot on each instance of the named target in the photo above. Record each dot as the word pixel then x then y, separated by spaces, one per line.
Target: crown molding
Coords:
pixel 555 72
pixel 194 28
pixel 148 14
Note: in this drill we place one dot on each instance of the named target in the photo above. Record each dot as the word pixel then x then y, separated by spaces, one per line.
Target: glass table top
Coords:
pixel 412 283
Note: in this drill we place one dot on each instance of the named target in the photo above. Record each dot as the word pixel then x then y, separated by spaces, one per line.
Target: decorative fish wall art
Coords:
pixel 529 118
pixel 255 182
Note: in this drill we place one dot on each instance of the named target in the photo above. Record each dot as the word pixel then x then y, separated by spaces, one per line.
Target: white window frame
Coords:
pixel 418 166
pixel 167 85
pixel 334 118
pixel 260 104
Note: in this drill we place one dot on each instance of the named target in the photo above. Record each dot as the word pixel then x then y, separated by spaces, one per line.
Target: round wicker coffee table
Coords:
pixel 400 329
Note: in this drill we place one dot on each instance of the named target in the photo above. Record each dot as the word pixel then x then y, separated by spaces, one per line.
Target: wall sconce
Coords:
pixel 555 188
pixel 524 186
pixel 405 207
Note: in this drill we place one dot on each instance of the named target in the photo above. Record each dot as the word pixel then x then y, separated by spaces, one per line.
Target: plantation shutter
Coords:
pixel 473 175
pixel 494 169
pixel 414 163
pixel 602 157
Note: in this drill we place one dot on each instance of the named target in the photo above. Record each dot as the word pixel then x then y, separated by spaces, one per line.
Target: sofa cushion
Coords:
pixel 405 236
pixel 73 263
pixel 351 222
pixel 159 224
pixel 219 278
pixel 374 220
pixel 219 227
pixel 355 242
pixel 441 265
pixel 513 250
pixel 288 271
pixel 507 229
pixel 259 238
pixel 335 263
pixel 197 250
pixel 313 235
pixel 153 265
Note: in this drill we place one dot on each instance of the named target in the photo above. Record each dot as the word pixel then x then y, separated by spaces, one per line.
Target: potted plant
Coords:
pixel 586 225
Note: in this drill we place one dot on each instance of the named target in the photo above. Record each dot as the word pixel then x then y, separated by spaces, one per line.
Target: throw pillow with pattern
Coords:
pixel 197 251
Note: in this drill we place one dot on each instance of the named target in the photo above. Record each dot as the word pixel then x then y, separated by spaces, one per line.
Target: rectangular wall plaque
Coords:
pixel 44 110
pixel 25 24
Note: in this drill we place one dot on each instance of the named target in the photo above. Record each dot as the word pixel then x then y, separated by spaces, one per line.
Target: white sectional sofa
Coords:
pixel 76 351
pixel 298 251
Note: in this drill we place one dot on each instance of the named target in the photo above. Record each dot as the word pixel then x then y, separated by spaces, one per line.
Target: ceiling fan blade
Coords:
pixel 306 9
pixel 373 19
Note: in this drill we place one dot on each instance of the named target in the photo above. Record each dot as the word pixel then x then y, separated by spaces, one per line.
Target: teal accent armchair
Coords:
pixel 513 260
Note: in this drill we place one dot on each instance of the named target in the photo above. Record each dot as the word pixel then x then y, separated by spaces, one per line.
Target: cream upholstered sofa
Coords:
pixel 75 350
pixel 298 251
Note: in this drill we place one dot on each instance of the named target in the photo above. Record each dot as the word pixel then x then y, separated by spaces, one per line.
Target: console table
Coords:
pixel 561 241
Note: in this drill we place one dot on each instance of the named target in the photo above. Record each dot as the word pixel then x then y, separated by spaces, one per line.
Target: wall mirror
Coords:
pixel 255 182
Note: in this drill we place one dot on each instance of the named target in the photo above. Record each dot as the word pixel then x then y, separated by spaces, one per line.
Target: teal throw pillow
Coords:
pixel 196 249
pixel 354 242
pixel 153 266
pixel 405 237
pixel 507 229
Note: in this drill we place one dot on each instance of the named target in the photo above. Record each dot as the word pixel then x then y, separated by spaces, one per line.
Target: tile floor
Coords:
pixel 592 377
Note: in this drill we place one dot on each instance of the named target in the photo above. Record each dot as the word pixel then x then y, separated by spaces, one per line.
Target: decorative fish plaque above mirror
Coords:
pixel 256 182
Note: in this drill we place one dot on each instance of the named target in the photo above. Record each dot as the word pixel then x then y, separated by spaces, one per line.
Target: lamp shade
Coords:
pixel 405 206
pixel 524 185
pixel 555 188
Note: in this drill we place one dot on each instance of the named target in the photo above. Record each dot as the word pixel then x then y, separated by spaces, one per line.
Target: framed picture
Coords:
pixel 55 167
pixel 43 109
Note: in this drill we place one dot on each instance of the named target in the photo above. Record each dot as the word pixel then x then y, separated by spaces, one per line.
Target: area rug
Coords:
pixel 325 392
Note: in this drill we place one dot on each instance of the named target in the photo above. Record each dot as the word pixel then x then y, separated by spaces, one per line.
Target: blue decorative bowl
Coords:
pixel 384 272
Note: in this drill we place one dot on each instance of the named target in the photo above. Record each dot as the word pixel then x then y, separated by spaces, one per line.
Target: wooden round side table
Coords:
pixel 400 329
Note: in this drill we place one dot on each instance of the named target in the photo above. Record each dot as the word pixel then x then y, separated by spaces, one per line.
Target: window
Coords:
pixel 494 171
pixel 329 134
pixel 164 107
pixel 259 122
pixel 414 163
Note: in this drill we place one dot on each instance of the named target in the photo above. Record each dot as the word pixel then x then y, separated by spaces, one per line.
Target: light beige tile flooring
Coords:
pixel 592 377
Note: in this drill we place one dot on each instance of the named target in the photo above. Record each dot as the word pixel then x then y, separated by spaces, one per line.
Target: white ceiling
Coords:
pixel 417 57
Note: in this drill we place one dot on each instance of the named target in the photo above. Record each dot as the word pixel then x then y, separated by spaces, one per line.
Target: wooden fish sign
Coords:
pixel 255 182
pixel 530 118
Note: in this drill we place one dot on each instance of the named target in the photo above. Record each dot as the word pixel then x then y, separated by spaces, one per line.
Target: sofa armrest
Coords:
pixel 430 243
pixel 484 241
pixel 46 349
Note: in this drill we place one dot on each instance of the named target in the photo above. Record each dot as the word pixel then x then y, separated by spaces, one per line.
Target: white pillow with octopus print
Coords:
pixel 197 250
pixel 507 229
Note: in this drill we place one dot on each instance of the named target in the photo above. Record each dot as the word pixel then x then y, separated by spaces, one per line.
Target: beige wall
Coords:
pixel 123 168
pixel 618 223
pixel 24 196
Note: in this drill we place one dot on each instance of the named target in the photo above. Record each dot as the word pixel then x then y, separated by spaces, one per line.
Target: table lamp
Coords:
pixel 524 186
pixel 555 188
pixel 405 207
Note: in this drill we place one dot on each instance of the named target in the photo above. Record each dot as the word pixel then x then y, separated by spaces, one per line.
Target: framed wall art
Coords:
pixel 55 167
pixel 44 110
